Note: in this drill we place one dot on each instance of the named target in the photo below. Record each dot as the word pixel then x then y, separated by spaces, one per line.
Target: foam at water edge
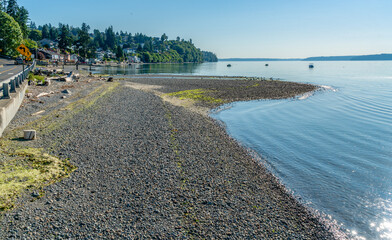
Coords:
pixel 325 87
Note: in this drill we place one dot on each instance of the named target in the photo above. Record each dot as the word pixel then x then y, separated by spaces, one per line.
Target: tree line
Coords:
pixel 86 43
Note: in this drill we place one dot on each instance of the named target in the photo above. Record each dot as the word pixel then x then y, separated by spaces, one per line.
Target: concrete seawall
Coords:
pixel 9 107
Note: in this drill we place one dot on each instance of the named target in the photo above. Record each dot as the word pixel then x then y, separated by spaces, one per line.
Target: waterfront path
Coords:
pixel 148 169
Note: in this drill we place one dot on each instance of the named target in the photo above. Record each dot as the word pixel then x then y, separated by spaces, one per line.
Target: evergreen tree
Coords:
pixel 98 39
pixel 164 37
pixel 22 19
pixel 32 25
pixel 45 31
pixel 65 39
pixel 13 9
pixel 110 38
pixel 53 33
pixel 119 53
pixel 83 39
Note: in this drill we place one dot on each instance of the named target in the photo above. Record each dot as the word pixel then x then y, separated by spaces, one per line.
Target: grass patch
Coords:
pixel 197 95
pixel 36 77
pixel 25 168
pixel 28 168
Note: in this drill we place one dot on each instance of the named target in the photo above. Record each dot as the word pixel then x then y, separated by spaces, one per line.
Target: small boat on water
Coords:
pixel 266 64
pixel 228 65
pixel 311 65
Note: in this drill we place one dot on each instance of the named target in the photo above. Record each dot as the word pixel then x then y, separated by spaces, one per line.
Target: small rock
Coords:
pixel 66 91
pixel 35 194
pixel 29 95
pixel 110 79
pixel 64 97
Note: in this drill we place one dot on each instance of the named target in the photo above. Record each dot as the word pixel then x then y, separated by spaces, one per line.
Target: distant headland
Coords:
pixel 374 57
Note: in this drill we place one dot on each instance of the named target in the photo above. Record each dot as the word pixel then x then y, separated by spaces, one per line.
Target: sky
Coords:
pixel 238 29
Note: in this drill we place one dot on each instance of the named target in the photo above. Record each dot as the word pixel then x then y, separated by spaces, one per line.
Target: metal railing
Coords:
pixel 11 84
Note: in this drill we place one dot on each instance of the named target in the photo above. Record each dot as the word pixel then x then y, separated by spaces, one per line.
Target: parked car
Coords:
pixel 19 61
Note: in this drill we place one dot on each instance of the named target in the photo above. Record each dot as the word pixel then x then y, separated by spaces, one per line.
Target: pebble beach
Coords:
pixel 151 166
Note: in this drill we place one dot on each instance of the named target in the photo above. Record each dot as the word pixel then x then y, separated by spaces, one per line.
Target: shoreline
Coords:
pixel 202 162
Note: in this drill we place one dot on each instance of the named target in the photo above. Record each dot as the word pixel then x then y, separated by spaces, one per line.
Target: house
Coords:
pixel 100 55
pixel 128 51
pixel 134 59
pixel 72 58
pixel 48 43
pixel 52 55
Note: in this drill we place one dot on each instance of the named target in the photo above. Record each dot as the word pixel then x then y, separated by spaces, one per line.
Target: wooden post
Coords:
pixel 29 134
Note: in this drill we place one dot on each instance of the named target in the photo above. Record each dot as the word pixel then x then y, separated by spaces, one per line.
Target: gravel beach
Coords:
pixel 147 169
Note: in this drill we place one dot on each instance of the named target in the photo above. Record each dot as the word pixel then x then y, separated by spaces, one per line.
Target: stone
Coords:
pixel 29 134
pixel 47 82
pixel 66 91
pixel 110 79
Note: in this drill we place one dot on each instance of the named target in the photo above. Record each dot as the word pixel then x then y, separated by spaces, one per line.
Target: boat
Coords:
pixel 229 65
pixel 311 65
pixel 266 64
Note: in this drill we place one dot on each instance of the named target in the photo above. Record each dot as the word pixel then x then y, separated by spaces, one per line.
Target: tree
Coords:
pixel 119 53
pixel 53 33
pixel 12 9
pixel 33 25
pixel 10 34
pixel 83 39
pixel 3 5
pixel 65 39
pixel 147 46
pixel 98 39
pixel 110 39
pixel 35 35
pixel 45 31
pixel 22 19
pixel 31 44
pixel 164 37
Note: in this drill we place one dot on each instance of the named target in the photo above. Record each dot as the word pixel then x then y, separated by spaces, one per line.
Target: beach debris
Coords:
pixel 43 94
pixel 37 113
pixel 47 82
pixel 29 95
pixel 29 134
pixel 66 91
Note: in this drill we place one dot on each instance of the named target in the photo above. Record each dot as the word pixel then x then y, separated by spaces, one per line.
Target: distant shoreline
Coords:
pixel 373 57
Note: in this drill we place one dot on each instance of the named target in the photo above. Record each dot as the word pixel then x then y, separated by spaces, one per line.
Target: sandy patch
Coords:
pixel 186 103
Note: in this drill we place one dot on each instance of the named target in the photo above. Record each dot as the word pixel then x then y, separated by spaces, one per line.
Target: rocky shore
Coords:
pixel 148 165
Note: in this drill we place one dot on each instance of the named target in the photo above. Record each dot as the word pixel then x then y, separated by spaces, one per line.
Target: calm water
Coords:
pixel 333 149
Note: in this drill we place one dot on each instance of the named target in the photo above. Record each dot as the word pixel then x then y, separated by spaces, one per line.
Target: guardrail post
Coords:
pixel 19 79
pixel 13 86
pixel 16 80
pixel 6 93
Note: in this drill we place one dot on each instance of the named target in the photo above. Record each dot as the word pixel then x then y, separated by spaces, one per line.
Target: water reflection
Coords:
pixel 186 68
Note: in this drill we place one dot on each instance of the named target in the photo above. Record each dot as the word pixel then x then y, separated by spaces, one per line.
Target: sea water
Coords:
pixel 332 148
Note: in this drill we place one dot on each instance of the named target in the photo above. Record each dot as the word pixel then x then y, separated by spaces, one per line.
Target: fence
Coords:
pixel 11 84
pixel 13 91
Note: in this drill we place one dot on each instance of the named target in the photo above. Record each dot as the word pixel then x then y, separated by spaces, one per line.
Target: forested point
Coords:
pixel 89 44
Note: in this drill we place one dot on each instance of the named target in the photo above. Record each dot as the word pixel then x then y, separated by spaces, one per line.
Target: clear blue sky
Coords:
pixel 243 28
